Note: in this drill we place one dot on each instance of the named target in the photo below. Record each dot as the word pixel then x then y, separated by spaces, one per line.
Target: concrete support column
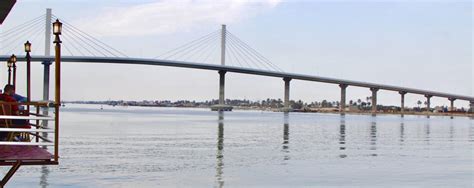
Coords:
pixel 374 99
pixel 287 93
pixel 342 103
pixel 428 102
pixel 402 102
pixel 471 105
pixel 222 87
pixel 451 107
pixel 47 52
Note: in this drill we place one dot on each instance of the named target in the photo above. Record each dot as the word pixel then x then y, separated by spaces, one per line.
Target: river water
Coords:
pixel 179 147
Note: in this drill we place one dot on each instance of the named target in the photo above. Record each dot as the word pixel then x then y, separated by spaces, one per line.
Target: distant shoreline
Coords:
pixel 323 111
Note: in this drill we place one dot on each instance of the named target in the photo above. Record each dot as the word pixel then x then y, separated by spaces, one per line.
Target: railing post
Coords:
pixel 57 91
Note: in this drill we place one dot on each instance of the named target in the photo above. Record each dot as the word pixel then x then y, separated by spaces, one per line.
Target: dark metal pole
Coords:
pixel 9 75
pixel 14 73
pixel 28 80
pixel 10 173
pixel 57 101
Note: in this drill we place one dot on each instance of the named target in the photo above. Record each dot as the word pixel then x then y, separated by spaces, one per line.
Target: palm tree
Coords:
pixel 419 103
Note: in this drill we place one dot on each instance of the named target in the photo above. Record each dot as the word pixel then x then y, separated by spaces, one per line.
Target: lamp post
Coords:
pixel 11 63
pixel 28 74
pixel 57 27
pixel 14 69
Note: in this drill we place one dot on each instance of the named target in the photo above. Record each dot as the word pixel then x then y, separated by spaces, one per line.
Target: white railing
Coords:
pixel 28 136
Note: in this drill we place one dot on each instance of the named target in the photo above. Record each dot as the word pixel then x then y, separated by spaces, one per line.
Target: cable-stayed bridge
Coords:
pixel 220 51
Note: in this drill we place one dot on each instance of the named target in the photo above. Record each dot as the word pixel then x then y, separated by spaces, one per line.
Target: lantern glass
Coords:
pixel 57 27
pixel 13 59
pixel 27 46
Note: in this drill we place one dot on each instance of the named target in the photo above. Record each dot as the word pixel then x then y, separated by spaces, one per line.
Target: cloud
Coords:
pixel 168 16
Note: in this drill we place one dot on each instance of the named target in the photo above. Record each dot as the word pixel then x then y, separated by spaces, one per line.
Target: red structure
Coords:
pixel 23 140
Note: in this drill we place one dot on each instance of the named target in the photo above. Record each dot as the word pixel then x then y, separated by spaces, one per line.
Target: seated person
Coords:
pixel 7 96
pixel 19 98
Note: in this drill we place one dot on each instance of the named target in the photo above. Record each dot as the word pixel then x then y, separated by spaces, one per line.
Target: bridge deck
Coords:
pixel 182 64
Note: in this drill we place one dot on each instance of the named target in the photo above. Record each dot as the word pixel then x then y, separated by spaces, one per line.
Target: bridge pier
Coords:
pixel 286 99
pixel 222 87
pixel 402 102
pixel 451 106
pixel 471 104
pixel 428 102
pixel 221 106
pixel 374 99
pixel 342 103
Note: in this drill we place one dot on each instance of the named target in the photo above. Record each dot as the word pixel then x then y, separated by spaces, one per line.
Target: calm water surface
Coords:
pixel 170 147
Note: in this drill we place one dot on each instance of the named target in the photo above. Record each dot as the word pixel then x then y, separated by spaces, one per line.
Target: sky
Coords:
pixel 418 44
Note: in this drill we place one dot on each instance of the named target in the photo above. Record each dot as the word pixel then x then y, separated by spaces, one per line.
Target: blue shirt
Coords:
pixel 19 98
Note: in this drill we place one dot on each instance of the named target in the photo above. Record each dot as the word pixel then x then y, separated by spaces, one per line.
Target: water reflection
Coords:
pixel 471 133
pixel 342 136
pixel 44 177
pixel 286 136
pixel 373 137
pixel 402 133
pixel 451 131
pixel 427 131
pixel 220 150
pixel 44 169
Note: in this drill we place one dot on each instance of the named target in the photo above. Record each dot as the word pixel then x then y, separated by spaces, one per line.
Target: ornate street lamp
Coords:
pixel 28 73
pixel 14 69
pixel 57 28
pixel 10 63
pixel 27 47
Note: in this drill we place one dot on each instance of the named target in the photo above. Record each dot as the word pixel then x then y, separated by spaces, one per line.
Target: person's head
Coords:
pixel 9 89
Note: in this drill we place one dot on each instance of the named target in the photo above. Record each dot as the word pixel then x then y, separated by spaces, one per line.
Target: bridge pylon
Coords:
pixel 46 64
pixel 222 106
